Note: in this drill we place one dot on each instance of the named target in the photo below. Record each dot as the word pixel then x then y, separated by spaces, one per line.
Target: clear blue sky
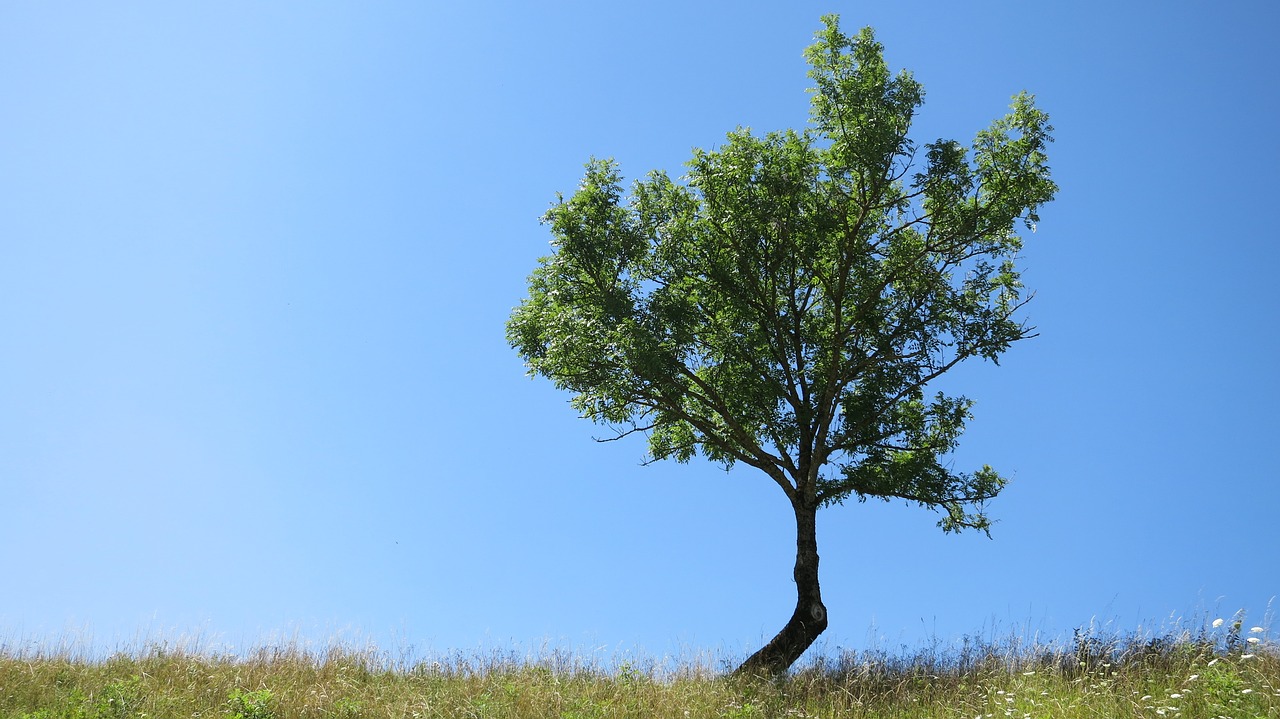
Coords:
pixel 255 261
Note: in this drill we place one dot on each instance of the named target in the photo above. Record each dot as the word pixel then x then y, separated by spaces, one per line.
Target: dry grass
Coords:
pixel 1214 673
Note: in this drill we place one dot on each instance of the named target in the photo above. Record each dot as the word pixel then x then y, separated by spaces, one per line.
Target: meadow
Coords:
pixel 1225 669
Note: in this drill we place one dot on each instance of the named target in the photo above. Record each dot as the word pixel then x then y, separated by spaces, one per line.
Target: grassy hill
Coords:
pixel 1188 676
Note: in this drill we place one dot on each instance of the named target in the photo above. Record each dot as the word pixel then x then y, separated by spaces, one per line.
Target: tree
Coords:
pixel 787 305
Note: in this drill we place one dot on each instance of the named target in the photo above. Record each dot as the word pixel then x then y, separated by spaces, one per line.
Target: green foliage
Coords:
pixel 787 303
pixel 628 673
pixel 119 699
pixel 348 708
pixel 250 705
pixel 746 710
pixel 1222 683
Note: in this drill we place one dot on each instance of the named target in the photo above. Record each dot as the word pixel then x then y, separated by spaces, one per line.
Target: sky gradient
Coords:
pixel 255 263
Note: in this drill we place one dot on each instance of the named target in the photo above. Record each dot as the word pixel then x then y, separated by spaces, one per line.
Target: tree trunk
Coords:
pixel 810 616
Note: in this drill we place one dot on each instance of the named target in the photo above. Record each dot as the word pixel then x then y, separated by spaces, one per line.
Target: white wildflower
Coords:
pixel 1193 677
pixel 1256 630
pixel 1253 640
pixel 1217 623
pixel 1246 691
pixel 1246 656
pixel 1146 697
pixel 1175 695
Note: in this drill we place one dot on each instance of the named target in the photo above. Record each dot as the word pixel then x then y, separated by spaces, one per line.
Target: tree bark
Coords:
pixel 810 616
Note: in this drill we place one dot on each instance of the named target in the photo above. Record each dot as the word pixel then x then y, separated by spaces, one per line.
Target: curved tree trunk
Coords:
pixel 810 616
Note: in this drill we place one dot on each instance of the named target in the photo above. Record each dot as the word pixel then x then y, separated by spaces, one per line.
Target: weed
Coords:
pixel 348 708
pixel 119 700
pixel 250 705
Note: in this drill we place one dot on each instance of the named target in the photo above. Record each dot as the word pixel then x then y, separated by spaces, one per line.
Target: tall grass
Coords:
pixel 1213 672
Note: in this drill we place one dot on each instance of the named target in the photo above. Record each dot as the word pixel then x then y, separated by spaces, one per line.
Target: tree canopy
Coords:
pixel 786 304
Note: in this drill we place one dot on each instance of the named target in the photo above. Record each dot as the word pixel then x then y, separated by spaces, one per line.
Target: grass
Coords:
pixel 1214 672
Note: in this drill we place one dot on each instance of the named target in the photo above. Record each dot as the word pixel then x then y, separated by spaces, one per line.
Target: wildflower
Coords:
pixel 1027 674
pixel 1246 691
pixel 1212 661
pixel 1252 640
pixel 1193 677
pixel 1217 623
pixel 1246 656
pixel 1146 697
pixel 1175 695
pixel 1256 630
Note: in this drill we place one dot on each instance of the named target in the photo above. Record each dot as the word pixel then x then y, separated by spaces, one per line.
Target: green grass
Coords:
pixel 1213 673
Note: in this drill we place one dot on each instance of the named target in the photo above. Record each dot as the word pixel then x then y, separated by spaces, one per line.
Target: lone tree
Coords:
pixel 787 304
